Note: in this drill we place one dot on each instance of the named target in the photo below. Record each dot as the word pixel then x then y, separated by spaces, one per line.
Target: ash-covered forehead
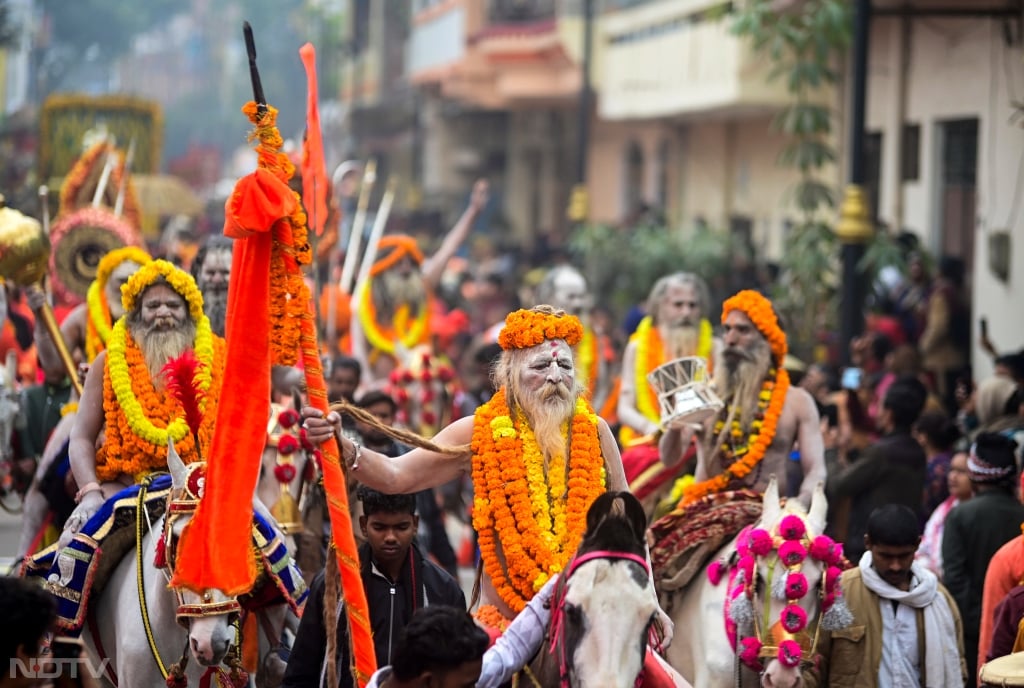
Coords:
pixel 544 352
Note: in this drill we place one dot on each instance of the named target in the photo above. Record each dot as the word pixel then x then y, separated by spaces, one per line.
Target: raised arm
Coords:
pixel 411 472
pixel 433 267
pixel 72 329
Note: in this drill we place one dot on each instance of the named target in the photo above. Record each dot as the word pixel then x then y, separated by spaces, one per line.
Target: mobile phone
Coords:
pixel 66 648
pixel 851 378
pixel 983 324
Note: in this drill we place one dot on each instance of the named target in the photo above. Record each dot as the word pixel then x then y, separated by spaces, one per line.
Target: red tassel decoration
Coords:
pixel 160 558
pixel 180 376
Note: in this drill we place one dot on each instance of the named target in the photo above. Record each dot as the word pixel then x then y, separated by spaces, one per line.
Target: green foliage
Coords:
pixel 802 44
pixel 621 264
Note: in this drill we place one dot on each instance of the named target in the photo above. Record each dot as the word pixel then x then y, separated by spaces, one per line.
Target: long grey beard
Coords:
pixel 215 304
pixel 392 290
pixel 548 411
pixel 740 388
pixel 681 341
pixel 160 346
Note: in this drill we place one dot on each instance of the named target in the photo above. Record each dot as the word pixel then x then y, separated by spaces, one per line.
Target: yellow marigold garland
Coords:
pixel 99 321
pixel 139 419
pixel 588 356
pixel 650 353
pixel 506 473
pixel 759 310
pixel 384 339
pixel 527 328
pixel 289 293
pixel 760 438
pixel 179 280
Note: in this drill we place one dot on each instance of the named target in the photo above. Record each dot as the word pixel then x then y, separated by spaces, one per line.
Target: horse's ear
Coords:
pixel 771 507
pixel 819 509
pixel 179 474
pixel 599 510
pixel 634 514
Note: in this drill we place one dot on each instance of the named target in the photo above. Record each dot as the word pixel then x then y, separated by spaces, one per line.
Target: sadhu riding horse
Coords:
pixel 112 586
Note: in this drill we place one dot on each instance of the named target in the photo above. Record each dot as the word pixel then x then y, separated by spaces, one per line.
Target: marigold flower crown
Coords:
pixel 527 328
pixel 179 280
pixel 759 309
pixel 113 260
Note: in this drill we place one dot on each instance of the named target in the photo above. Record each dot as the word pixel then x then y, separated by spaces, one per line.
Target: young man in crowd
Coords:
pixel 906 629
pixel 441 647
pixel 398 579
pixel 28 614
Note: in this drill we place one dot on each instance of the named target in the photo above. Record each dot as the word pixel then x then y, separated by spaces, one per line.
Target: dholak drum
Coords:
pixel 684 391
pixel 1004 671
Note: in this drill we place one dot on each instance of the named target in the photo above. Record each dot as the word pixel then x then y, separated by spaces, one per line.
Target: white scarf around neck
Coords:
pixel 942 651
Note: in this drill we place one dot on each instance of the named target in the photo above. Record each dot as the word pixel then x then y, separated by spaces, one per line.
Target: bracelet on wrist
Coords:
pixel 357 454
pixel 91 486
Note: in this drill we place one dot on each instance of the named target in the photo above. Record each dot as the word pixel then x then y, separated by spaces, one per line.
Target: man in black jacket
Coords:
pixel 890 471
pixel 398 580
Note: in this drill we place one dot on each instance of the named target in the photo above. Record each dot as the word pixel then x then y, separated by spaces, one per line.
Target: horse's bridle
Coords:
pixel 557 632
pixel 180 502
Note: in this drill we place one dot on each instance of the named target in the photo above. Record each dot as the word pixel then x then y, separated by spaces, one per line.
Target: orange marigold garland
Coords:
pixel 528 328
pixel 289 294
pixel 759 440
pixel 504 513
pixel 125 452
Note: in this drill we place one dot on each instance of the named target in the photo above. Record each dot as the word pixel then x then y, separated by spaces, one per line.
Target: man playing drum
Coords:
pixel 751 438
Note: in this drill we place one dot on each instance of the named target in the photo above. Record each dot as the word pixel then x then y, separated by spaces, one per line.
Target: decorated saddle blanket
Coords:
pixel 83 568
pixel 684 540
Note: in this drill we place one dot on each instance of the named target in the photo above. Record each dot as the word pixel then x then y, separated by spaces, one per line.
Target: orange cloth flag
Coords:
pixel 219 539
pixel 314 168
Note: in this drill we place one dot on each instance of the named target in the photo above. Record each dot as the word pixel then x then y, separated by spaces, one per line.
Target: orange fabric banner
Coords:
pixel 314 168
pixel 219 537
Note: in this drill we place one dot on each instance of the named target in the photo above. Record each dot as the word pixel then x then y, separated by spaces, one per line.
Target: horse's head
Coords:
pixel 786 574
pixel 606 602
pixel 207 617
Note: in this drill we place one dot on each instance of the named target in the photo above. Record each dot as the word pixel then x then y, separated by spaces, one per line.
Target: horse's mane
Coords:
pixel 615 522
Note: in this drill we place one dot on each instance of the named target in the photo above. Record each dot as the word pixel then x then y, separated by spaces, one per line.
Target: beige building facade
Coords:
pixel 944 114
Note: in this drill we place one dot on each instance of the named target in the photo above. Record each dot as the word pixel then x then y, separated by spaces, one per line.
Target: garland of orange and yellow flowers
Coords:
pixel 650 353
pixel 98 323
pixel 587 357
pixel 408 336
pixel 759 310
pixel 120 376
pixel 537 523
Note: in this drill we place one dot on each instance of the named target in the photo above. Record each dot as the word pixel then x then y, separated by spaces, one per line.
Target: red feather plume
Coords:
pixel 180 376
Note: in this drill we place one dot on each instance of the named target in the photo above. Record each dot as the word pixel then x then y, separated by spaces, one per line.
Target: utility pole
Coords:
pixel 578 203
pixel 854 229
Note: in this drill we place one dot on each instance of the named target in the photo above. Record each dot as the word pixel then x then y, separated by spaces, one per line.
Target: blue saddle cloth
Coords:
pixel 81 569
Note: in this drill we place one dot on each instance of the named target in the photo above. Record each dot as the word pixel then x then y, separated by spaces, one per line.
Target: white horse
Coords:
pixel 139 627
pixel 765 589
pixel 604 606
